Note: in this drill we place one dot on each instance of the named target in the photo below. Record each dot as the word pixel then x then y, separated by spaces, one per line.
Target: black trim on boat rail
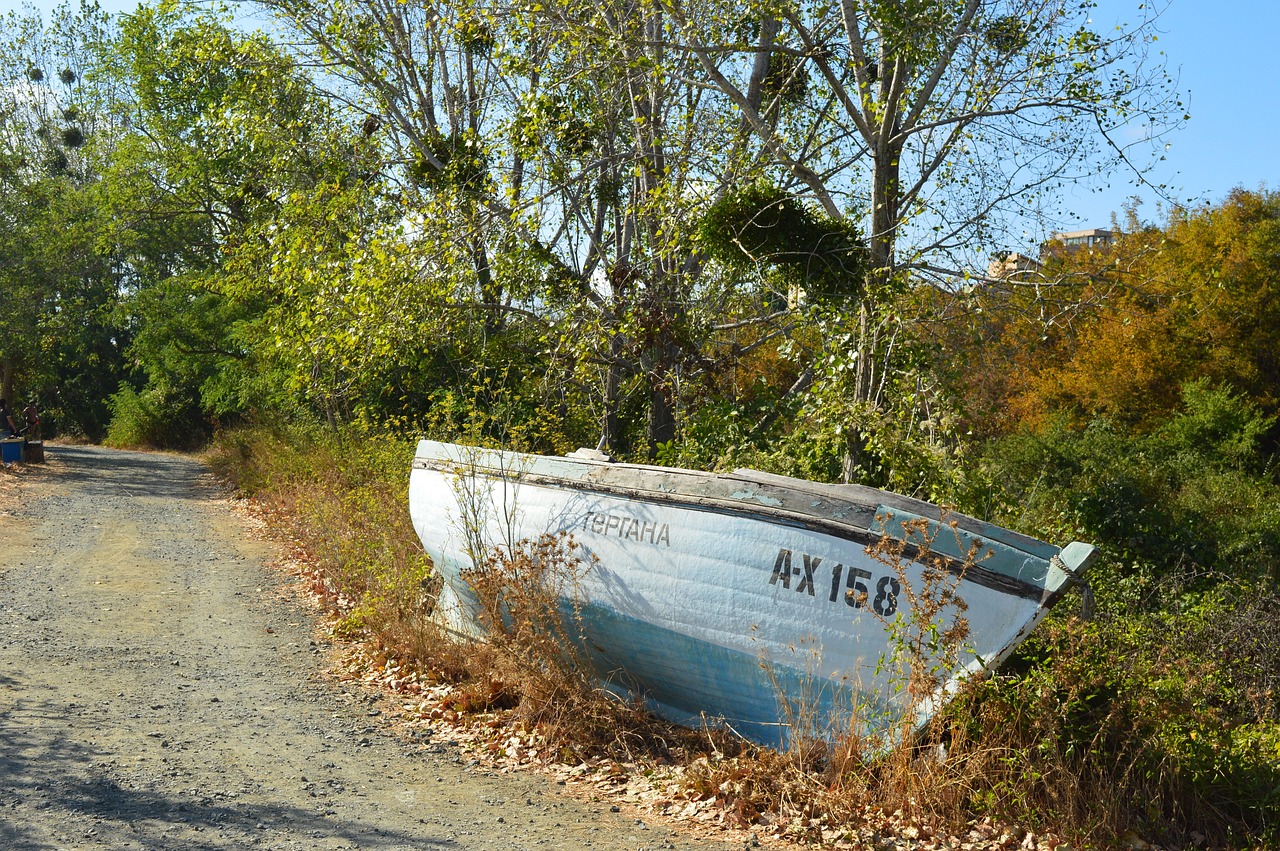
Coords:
pixel 848 531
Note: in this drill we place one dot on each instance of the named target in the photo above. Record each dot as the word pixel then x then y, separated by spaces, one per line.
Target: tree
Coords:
pixel 1195 299
pixel 935 125
pixel 60 340
pixel 566 171
pixel 986 104
pixel 225 132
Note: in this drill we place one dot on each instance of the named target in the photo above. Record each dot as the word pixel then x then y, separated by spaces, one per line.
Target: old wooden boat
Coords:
pixel 754 600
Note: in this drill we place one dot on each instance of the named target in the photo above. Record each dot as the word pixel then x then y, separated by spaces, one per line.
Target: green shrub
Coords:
pixel 1161 715
pixel 1147 723
pixel 156 417
pixel 1187 506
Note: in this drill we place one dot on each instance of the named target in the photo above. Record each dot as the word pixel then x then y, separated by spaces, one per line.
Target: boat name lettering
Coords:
pixel 857 583
pixel 631 528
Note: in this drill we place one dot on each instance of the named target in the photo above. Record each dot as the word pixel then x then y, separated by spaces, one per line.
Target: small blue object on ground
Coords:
pixel 10 451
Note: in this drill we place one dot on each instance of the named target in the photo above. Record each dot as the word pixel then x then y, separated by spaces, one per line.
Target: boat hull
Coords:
pixel 735 600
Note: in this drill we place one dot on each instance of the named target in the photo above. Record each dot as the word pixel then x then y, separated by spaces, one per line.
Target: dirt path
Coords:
pixel 158 691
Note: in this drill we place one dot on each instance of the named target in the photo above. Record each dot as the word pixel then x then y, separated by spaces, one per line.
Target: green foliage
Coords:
pixel 191 338
pixel 235 175
pixel 1007 34
pixel 500 407
pixel 1154 721
pixel 561 123
pixel 156 418
pixel 474 33
pixel 721 434
pixel 1189 500
pixel 60 272
pixel 463 162
pixel 59 334
pixel 765 226
pixel 1215 428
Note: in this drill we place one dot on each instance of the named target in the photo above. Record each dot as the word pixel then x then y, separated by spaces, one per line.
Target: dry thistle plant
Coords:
pixel 828 777
pixel 926 640
pixel 529 610
pixel 928 634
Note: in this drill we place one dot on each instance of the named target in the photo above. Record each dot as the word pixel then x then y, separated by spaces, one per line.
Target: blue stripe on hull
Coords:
pixel 686 680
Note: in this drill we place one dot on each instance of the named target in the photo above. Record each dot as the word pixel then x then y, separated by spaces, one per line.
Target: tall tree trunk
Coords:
pixel 662 410
pixel 490 290
pixel 885 201
pixel 6 381
pixel 664 311
pixel 611 436
pixel 885 211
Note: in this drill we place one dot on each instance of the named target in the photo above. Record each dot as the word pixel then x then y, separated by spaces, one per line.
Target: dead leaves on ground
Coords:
pixel 671 793
pixel 674 791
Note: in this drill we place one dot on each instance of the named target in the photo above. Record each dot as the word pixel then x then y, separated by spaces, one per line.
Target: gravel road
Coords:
pixel 159 689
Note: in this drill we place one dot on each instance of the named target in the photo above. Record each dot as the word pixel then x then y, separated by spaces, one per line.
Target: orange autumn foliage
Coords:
pixel 1198 298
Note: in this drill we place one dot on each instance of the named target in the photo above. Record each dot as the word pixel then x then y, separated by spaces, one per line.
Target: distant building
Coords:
pixel 1012 265
pixel 1074 240
pixel 1015 266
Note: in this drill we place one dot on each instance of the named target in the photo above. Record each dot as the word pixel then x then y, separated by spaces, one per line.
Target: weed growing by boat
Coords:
pixel 881 759
pixel 887 757
pixel 805 708
pixel 532 658
pixel 927 642
pixel 523 594
pixel 526 605
pixel 928 631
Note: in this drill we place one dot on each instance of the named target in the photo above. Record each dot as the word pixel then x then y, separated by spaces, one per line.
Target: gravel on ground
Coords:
pixel 162 688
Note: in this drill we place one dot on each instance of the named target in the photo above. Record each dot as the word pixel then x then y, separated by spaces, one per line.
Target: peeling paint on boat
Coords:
pixel 737 597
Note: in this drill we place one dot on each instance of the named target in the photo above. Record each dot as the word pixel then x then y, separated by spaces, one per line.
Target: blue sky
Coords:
pixel 1224 54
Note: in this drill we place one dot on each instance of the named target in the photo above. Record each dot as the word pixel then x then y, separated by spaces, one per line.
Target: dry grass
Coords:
pixel 14 476
pixel 1054 748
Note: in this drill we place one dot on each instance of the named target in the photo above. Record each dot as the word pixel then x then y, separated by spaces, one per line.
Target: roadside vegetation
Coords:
pixel 684 232
pixel 1156 717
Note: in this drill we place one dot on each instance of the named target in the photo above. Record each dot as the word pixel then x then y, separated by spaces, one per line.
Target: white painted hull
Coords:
pixel 734 598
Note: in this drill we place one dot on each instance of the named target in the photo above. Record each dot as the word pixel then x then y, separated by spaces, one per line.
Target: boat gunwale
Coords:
pixel 862 495
pixel 975 573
